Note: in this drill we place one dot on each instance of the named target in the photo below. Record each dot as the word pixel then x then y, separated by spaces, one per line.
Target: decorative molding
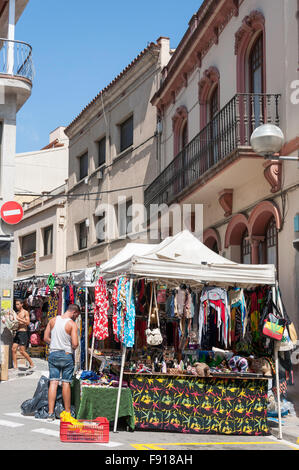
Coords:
pixel 180 116
pixel 204 31
pixel 252 23
pixel 273 174
pixel 211 77
pixel 260 217
pixel 225 199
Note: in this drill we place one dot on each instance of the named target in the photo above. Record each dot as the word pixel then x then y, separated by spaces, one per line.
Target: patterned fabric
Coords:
pixel 200 405
pixel 121 308
pixel 129 332
pixel 114 302
pixel 125 314
pixel 100 326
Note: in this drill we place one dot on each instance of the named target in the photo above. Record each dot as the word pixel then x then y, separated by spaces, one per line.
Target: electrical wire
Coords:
pixel 83 194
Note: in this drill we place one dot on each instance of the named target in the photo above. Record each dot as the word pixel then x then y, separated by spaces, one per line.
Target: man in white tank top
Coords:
pixel 62 336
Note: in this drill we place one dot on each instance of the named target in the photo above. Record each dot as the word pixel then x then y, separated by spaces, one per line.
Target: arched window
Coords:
pixel 264 223
pixel 211 239
pixel 180 129
pixel 245 249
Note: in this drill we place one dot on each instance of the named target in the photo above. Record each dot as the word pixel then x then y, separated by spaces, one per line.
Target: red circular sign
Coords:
pixel 12 212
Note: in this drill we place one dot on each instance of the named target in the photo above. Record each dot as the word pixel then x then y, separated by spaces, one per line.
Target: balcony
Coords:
pixel 16 59
pixel 225 139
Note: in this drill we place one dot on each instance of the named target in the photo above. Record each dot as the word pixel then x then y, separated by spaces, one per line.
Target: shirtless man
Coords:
pixel 21 339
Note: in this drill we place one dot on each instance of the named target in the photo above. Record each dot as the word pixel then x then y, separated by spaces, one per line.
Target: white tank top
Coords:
pixel 60 340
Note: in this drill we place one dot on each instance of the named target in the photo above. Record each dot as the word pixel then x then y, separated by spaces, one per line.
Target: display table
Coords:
pixel 101 402
pixel 209 405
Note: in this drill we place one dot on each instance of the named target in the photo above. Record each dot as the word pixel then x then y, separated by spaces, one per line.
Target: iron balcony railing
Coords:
pixel 230 129
pixel 16 59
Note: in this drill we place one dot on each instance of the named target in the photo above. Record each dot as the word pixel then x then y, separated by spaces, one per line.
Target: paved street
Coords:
pixel 27 433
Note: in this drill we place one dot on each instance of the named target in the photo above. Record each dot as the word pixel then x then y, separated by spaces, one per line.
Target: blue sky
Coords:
pixel 79 47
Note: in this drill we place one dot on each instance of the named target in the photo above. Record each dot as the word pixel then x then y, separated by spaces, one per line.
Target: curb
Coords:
pixel 286 435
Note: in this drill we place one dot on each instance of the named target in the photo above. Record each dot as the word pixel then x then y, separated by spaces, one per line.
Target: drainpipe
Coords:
pixel 11 36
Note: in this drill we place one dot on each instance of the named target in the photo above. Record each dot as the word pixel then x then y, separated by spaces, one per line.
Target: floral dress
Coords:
pixel 100 328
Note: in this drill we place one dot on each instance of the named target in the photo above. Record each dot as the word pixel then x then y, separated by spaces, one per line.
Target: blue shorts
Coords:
pixel 61 366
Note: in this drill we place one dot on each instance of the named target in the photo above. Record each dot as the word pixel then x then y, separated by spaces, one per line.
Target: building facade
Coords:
pixel 112 156
pixel 235 68
pixel 41 236
pixel 16 76
pixel 43 170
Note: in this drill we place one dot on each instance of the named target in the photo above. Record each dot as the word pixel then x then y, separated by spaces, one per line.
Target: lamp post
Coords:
pixel 267 140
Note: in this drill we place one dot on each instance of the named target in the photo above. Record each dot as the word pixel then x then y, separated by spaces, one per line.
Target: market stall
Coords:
pixel 47 296
pixel 183 268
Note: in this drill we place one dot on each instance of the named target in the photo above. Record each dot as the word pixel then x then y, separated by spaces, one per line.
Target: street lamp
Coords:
pixel 268 139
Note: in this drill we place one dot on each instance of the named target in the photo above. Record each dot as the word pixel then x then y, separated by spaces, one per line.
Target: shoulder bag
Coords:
pixel 154 336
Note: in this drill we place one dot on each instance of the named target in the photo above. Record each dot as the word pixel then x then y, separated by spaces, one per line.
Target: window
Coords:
pixel 184 135
pixel 271 242
pixel 214 125
pixel 28 244
pixel 83 166
pixel 82 235
pixel 100 227
pixel 102 151
pixel 124 217
pixel 256 78
pixel 246 249
pixel 48 240
pixel 126 134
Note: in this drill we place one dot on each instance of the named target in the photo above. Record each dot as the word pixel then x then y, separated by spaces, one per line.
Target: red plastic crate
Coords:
pixel 92 431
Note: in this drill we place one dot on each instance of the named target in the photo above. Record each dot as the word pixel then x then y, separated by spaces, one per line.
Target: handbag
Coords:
pixel 154 336
pixel 274 327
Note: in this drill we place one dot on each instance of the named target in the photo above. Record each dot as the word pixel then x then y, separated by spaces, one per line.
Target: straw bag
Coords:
pixel 153 337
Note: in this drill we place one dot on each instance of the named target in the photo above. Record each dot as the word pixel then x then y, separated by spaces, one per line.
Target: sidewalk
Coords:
pixel 290 428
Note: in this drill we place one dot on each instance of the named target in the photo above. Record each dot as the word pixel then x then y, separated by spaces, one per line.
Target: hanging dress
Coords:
pixel 100 328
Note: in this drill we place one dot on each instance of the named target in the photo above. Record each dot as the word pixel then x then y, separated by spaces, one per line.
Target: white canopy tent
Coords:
pixel 183 258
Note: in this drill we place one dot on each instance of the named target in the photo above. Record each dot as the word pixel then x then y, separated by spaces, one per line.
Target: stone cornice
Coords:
pixel 204 30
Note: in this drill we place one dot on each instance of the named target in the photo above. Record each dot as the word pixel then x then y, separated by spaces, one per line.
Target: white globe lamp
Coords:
pixel 266 140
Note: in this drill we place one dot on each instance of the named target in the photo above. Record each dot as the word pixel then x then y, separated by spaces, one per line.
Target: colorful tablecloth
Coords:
pixel 200 405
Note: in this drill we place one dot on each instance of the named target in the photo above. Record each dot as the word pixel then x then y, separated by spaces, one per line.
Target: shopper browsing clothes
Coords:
pixel 62 336
pixel 21 339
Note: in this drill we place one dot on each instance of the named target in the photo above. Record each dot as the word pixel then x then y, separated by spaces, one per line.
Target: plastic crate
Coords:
pixel 92 431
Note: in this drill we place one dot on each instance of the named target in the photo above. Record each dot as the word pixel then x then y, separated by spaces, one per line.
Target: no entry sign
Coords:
pixel 12 212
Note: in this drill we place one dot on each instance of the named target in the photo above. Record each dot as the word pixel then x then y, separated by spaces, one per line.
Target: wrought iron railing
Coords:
pixel 16 59
pixel 230 129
